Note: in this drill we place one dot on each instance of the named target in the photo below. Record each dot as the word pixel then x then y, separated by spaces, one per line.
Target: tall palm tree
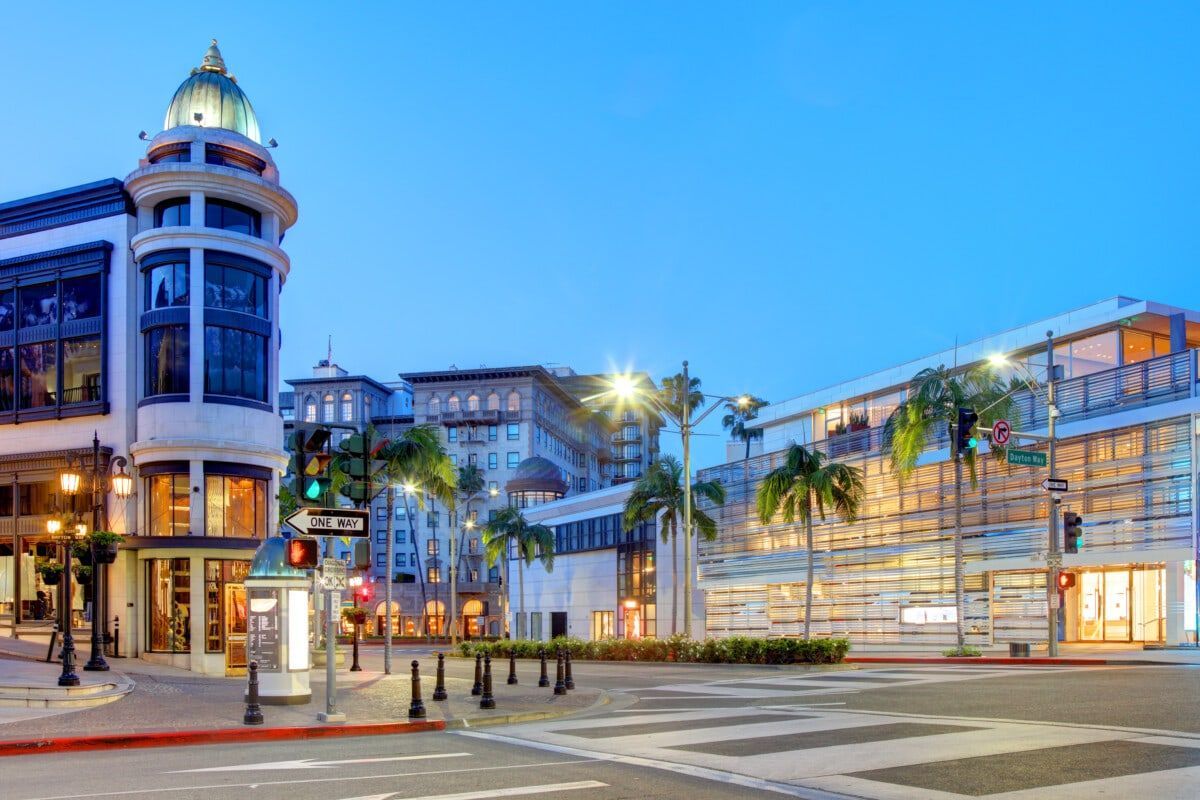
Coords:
pixel 805 483
pixel 511 531
pixel 470 484
pixel 660 492
pixel 741 413
pixel 934 397
pixel 415 456
pixel 671 395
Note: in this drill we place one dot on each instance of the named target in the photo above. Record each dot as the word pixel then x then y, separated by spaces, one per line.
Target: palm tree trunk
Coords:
pixel 521 591
pixel 412 527
pixel 808 580
pixel 959 588
pixel 674 580
pixel 387 582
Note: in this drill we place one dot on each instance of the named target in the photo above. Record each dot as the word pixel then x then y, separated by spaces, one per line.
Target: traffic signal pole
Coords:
pixel 1053 556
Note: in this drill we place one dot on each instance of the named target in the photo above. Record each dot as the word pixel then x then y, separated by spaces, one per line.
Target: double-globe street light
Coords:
pixel 626 388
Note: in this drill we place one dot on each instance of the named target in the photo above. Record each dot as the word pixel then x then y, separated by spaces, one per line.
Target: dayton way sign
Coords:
pixel 350 522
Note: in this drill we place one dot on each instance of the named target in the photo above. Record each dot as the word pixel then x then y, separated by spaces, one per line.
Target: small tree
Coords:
pixel 740 413
pixel 510 531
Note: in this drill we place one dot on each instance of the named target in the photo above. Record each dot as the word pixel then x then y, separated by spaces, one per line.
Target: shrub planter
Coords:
pixel 679 649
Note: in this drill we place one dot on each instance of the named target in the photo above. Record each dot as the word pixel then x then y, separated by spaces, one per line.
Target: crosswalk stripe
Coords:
pixel 512 791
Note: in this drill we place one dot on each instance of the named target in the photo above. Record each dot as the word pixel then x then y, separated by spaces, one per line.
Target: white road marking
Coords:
pixel 515 791
pixel 309 763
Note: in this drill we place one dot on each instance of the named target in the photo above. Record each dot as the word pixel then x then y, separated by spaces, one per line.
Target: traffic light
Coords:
pixel 1065 580
pixel 364 593
pixel 310 464
pixel 1072 528
pixel 962 434
pixel 364 470
pixel 303 553
pixel 362 554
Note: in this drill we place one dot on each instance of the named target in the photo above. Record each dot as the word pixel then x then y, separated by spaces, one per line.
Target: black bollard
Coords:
pixel 439 690
pixel 116 636
pixel 477 689
pixel 570 682
pixel 487 700
pixel 560 687
pixel 416 709
pixel 53 639
pixel 253 715
pixel 543 681
pixel 512 668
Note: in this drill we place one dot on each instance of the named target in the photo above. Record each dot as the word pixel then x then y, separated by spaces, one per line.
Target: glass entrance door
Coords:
pixel 1120 605
pixel 235 628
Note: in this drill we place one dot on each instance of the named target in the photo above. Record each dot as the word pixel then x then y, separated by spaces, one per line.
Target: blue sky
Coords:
pixel 787 194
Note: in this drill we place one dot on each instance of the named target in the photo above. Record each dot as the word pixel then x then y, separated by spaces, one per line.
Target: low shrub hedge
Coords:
pixel 732 650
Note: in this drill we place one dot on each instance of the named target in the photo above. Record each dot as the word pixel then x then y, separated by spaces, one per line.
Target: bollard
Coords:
pixel 543 681
pixel 570 681
pixel 53 639
pixel 116 636
pixel 512 668
pixel 253 715
pixel 439 690
pixel 477 689
pixel 416 709
pixel 487 700
pixel 560 687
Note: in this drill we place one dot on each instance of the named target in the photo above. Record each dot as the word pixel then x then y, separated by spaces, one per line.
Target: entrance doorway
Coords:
pixel 1123 604
pixel 235 628
pixel 558 624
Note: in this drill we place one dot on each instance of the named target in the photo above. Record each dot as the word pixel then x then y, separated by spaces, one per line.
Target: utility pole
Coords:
pixel 1053 557
pixel 959 576
pixel 685 430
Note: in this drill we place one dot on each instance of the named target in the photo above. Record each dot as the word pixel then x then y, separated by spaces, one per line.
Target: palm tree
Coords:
pixel 934 397
pixel 414 456
pixel 741 413
pixel 470 484
pixel 670 395
pixel 511 531
pixel 660 492
pixel 805 483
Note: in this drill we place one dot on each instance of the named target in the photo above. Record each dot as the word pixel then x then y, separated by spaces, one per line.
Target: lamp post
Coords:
pixel 68 481
pixel 626 388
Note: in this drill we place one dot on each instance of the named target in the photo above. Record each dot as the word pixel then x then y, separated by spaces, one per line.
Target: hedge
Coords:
pixel 732 650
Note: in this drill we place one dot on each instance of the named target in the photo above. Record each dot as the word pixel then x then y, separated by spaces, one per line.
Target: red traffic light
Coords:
pixel 1066 580
pixel 364 593
pixel 302 553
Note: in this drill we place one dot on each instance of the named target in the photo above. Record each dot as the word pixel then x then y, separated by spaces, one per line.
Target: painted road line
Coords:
pixel 515 791
pixel 309 763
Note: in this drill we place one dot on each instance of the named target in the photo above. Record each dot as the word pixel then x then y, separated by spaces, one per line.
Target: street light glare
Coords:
pixel 409 488
pixel 998 360
pixel 743 401
pixel 623 386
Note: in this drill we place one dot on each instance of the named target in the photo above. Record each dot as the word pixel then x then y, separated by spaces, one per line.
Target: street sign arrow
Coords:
pixel 1055 484
pixel 349 522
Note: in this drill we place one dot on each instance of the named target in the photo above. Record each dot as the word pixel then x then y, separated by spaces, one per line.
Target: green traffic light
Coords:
pixel 312 490
pixel 972 442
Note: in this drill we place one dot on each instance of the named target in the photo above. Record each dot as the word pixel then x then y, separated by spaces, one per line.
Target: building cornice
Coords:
pixel 71 206
pixel 182 238
pixel 153 450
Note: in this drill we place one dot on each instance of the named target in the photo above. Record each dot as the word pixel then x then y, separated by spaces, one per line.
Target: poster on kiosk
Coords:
pixel 277 626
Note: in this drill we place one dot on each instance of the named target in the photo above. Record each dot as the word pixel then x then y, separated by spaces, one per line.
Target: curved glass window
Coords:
pixel 232 217
pixel 235 363
pixel 166 286
pixel 235 289
pixel 235 506
pixel 167 360
pixel 228 157
pixel 171 213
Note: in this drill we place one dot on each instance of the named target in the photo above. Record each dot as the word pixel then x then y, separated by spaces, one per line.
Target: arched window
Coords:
pixel 310 410
pixel 493 402
pixel 435 405
pixel 472 608
pixel 473 402
pixel 452 403
pixel 347 407
pixel 328 408
pixel 514 401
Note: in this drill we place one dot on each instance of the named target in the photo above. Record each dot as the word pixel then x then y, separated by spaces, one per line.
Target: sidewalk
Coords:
pixel 1098 654
pixel 192 706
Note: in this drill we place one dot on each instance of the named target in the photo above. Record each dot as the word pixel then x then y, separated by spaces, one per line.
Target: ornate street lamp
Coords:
pixel 66 536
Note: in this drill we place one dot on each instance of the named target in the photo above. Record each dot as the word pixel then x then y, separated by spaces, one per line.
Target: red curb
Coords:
pixel 1032 661
pixel 183 738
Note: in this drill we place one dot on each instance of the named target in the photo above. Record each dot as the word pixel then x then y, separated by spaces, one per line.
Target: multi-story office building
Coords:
pixel 1127 428
pixel 635 427
pixel 147 311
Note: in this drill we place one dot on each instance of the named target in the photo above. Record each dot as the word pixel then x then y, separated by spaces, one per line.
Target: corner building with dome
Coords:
pixel 139 326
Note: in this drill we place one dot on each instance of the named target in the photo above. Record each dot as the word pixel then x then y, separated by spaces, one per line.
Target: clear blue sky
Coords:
pixel 786 194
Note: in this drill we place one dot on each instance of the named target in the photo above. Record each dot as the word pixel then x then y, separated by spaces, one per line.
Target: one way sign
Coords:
pixel 1055 484
pixel 348 522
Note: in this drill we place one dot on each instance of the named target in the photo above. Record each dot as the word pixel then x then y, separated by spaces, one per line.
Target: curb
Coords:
pixel 466 723
pixel 218 736
pixel 1006 661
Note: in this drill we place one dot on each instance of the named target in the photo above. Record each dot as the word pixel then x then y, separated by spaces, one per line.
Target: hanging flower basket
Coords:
pixel 51 573
pixel 83 574
pixel 104 546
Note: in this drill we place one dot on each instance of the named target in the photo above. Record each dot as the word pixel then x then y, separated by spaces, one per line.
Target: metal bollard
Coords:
pixel 543 681
pixel 570 681
pixel 487 700
pixel 560 687
pixel 116 637
pixel 253 715
pixel 512 668
pixel 53 639
pixel 477 689
pixel 416 709
pixel 439 690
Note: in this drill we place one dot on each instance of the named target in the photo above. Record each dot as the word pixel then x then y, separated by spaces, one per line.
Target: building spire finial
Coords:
pixel 329 351
pixel 212 60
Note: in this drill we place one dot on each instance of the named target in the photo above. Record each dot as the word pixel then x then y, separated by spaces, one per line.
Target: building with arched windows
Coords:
pixel 147 311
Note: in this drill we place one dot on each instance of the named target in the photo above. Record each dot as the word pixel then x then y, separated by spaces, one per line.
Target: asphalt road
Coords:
pixel 692 731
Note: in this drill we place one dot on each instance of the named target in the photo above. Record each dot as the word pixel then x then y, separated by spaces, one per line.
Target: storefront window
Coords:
pixel 81 370
pixel 81 298
pixel 38 375
pixel 235 506
pixel 224 603
pixel 169 586
pixel 168 511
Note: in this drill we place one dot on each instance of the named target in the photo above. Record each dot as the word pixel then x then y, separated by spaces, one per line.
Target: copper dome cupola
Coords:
pixel 211 98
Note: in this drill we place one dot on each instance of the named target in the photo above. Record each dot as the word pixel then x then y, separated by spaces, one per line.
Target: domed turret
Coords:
pixel 536 481
pixel 211 98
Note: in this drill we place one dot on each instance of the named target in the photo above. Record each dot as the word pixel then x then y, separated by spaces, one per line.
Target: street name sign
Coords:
pixel 333 574
pixel 348 522
pixel 1055 484
pixel 1001 431
pixel 1025 458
